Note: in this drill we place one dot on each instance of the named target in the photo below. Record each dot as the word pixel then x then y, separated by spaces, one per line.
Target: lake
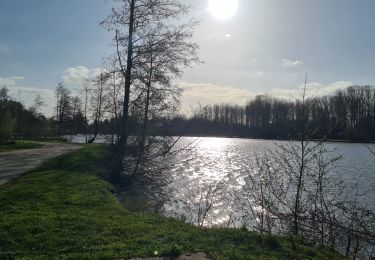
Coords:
pixel 229 160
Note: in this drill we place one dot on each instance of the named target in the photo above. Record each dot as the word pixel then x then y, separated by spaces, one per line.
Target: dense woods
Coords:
pixel 347 115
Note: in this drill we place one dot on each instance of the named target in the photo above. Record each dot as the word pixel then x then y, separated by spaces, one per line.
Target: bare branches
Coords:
pixel 152 48
pixel 294 193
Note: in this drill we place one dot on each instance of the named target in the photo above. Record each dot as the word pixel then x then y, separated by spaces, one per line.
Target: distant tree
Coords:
pixel 7 122
pixel 16 120
pixel 113 101
pixel 348 114
pixel 77 120
pixel 63 106
pixel 7 127
pixel 38 104
pixel 295 192
pixel 97 104
pixel 76 106
pixel 86 90
pixel 4 94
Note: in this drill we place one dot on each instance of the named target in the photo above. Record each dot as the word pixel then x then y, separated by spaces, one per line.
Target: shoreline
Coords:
pixel 275 139
pixel 92 223
pixel 238 137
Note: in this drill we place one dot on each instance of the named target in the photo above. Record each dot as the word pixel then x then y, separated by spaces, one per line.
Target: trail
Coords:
pixel 14 163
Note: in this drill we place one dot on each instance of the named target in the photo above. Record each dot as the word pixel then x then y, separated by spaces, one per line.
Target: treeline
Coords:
pixel 18 121
pixel 347 115
pixel 72 116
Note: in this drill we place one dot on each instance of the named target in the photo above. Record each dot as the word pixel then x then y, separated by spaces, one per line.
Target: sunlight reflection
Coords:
pixel 228 163
pixel 218 144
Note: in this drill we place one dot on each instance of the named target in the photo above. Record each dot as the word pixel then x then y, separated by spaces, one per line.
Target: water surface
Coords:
pixel 227 161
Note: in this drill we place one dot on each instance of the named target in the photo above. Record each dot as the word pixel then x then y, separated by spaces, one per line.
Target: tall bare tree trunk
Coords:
pixel 302 166
pixel 86 93
pixel 124 133
pixel 141 147
pixel 147 105
pixel 98 113
pixel 115 114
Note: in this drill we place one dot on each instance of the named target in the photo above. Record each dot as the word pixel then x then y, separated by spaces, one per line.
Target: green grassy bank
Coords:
pixel 64 210
pixel 19 145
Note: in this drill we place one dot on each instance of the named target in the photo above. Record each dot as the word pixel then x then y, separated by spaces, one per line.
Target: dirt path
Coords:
pixel 17 162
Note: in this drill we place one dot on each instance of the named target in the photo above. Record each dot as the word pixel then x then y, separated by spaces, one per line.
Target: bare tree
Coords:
pixel 113 102
pixel 76 106
pixel 141 28
pixel 199 203
pixel 86 89
pixel 38 104
pixel 63 105
pixel 97 104
pixel 295 193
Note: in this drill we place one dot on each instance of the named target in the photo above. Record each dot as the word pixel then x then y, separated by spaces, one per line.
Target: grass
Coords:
pixel 19 145
pixel 63 210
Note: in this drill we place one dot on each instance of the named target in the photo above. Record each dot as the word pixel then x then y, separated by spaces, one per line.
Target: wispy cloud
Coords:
pixel 286 63
pixel 17 78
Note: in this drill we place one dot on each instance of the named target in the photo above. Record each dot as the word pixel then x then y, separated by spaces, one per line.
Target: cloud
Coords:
pixel 77 74
pixel 17 78
pixel 26 95
pixel 286 63
pixel 313 89
pixel 11 81
pixel 7 82
pixel 195 94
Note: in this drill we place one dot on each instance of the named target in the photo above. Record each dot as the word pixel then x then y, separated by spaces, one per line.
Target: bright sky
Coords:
pixel 267 46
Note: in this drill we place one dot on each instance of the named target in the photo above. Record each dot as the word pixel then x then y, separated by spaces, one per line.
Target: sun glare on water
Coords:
pixel 223 9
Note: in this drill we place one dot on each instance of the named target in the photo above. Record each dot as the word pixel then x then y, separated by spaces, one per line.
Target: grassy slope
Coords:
pixel 63 210
pixel 19 145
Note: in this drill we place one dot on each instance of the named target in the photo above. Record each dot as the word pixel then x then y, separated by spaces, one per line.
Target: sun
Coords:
pixel 223 9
